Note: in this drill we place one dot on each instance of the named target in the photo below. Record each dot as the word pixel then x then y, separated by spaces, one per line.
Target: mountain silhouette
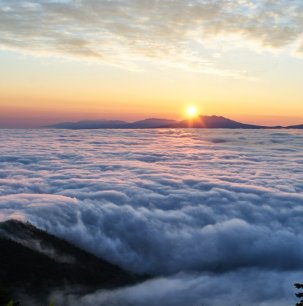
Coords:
pixel 209 122
pixel 299 126
pixel 90 124
pixel 214 122
pixel 150 123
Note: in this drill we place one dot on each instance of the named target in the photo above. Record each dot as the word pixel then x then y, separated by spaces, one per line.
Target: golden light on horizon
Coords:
pixel 191 112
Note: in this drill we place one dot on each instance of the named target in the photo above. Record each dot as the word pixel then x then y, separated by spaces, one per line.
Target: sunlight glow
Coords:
pixel 191 112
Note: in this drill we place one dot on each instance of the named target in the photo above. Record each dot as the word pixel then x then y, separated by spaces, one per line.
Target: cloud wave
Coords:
pixel 208 203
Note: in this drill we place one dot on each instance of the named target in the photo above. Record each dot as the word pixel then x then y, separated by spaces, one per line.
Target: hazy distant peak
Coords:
pixel 155 119
pixel 211 122
pixel 90 124
pixel 152 123
pixel 299 126
pixel 214 122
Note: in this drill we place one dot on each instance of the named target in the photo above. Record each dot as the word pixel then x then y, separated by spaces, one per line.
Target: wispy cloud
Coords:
pixel 173 31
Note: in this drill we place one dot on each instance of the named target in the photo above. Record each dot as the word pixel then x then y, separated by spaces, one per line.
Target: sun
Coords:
pixel 191 112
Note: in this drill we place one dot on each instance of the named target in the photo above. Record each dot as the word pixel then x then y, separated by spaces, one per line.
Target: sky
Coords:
pixel 64 60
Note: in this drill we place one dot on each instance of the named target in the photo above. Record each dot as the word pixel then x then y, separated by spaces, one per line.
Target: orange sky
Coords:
pixel 97 63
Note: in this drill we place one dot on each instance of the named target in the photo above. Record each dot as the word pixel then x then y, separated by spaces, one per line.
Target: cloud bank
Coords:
pixel 185 33
pixel 250 288
pixel 198 209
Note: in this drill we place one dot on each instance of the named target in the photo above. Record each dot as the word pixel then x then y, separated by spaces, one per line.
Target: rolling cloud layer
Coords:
pixel 204 211
pixel 187 33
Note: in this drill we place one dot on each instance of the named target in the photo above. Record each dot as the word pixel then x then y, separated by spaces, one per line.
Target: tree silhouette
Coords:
pixel 5 297
pixel 299 295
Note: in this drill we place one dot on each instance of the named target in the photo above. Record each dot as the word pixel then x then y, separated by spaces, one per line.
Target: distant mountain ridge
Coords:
pixel 90 124
pixel 151 123
pixel 215 122
pixel 209 122
pixel 299 126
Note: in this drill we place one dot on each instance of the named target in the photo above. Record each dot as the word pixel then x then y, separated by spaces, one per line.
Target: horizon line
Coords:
pixel 56 124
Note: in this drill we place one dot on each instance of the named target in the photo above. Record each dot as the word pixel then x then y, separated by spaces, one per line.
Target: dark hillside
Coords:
pixel 34 263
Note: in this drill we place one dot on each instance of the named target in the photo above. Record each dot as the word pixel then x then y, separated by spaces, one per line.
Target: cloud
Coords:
pixel 175 32
pixel 272 288
pixel 205 207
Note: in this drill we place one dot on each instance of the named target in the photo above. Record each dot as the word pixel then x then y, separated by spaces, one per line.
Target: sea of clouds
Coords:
pixel 215 216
